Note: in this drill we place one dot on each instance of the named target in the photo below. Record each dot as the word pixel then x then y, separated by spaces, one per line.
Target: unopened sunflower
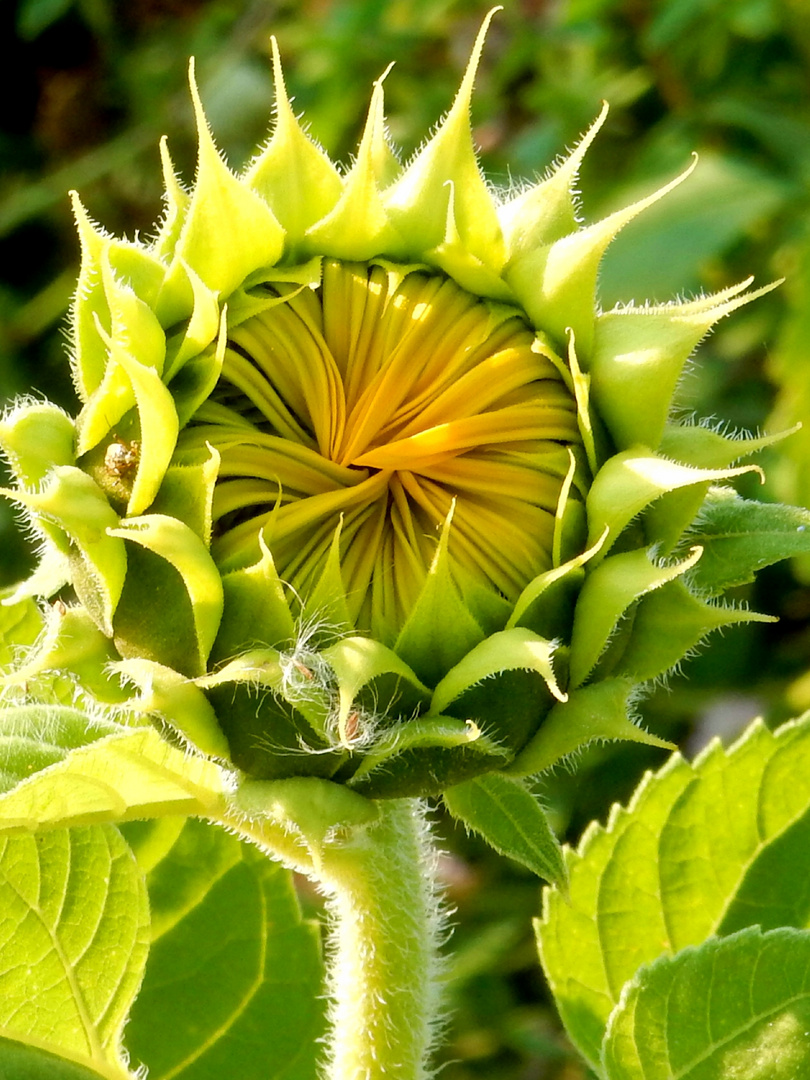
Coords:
pixel 364 484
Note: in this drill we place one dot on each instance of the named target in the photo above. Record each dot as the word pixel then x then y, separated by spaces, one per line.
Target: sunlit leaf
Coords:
pixel 234 982
pixel 73 942
pixel 732 1008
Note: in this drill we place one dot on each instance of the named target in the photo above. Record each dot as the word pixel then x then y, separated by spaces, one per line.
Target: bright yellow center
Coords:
pixel 377 405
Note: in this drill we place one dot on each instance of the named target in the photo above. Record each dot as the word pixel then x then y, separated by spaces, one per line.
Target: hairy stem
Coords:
pixel 377 871
pixel 383 963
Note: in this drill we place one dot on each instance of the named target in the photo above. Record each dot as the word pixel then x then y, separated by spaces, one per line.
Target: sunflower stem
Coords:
pixel 383 959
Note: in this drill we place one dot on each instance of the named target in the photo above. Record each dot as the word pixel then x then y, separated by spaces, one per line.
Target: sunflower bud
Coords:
pixel 364 485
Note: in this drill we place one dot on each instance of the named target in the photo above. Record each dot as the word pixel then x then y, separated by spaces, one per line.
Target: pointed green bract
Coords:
pixel 632 480
pixel 511 820
pixel 74 502
pixel 638 356
pixel 615 584
pixel 358 226
pixel 292 174
pixel 35 438
pixel 546 212
pixel 356 662
pixel 594 713
pixel 508 650
pixel 255 237
pixel 417 202
pixel 441 629
pixel 556 283
pixel 181 548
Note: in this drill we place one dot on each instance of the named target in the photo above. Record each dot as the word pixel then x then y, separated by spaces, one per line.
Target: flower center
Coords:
pixel 377 406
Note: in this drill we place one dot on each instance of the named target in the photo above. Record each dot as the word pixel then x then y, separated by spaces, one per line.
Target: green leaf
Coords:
pixel 695 854
pixel 234 982
pixel 73 944
pixel 739 537
pixel 732 1008
pixel 123 775
pixel 511 820
pixel 30 1063
pixel 36 736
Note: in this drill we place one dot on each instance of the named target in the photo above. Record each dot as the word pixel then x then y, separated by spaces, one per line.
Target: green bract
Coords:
pixel 364 484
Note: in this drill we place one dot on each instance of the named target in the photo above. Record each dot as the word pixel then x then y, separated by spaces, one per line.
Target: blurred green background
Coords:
pixel 89 86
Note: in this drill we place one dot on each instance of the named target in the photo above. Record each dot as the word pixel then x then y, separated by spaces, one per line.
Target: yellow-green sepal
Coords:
pixel 133 265
pixel 705 448
pixel 638 355
pixel 547 211
pixel 358 226
pixel 35 436
pixel 471 272
pixel 187 490
pixel 52 572
pixel 228 230
pixel 556 283
pixel 176 200
pixel 177 701
pixel 358 662
pixel 257 293
pixel 200 330
pixel 629 482
pixel 417 202
pixel 591 714
pixel 73 501
pixel 700 447
pixel 547 604
pixel 135 339
pixel 668 624
pixel 177 545
pixel 275 712
pixel 72 644
pixel 440 629
pixel 21 623
pixel 408 757
pixel 256 611
pixel 292 174
pixel 516 649
pixel 196 379
pixel 327 603
pixel 609 591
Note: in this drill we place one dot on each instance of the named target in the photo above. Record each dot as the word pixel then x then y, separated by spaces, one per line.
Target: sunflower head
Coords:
pixel 364 484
